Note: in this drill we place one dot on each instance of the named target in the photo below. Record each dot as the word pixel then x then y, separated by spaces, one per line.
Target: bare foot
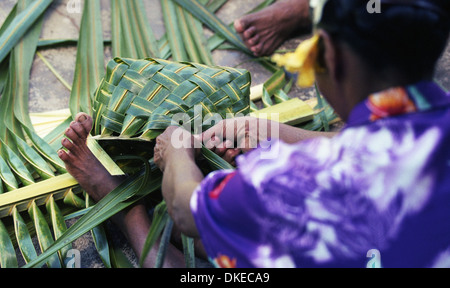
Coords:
pixel 82 164
pixel 264 31
pixel 98 182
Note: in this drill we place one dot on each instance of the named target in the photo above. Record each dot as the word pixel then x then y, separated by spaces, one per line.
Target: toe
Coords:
pixel 253 41
pixel 81 117
pixel 78 128
pixel 67 144
pixel 240 25
pixel 250 33
pixel 73 136
pixel 63 155
pixel 257 49
pixel 86 122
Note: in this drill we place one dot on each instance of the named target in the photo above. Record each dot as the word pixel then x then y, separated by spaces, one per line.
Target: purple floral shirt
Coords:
pixel 382 184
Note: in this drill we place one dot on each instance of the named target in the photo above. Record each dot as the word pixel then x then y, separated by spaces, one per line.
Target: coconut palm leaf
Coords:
pixel 23 237
pixel 198 35
pixel 126 194
pixel 189 253
pixel 318 124
pixel 141 96
pixel 7 253
pixel 146 37
pixel 215 162
pixel 213 22
pixel 22 167
pixel 192 37
pixel 23 56
pixel 19 25
pixel 34 159
pixel 185 26
pixel 132 35
pixel 16 81
pixel 59 226
pixel 53 70
pixel 7 176
pixel 54 137
pixel 3 75
pixel 274 87
pixel 17 166
pixel 89 65
pixel 164 46
pixel 213 5
pixel 43 233
pixel 175 37
pixel 100 239
pixel 165 239
pixel 45 150
pixel 160 222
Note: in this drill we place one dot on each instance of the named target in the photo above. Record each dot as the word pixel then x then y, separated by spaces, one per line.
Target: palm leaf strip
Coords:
pixel 213 22
pixel 174 35
pixel 129 192
pixel 90 59
pixel 21 23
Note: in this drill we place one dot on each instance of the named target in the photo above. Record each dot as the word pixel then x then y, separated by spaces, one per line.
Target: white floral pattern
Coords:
pixel 360 171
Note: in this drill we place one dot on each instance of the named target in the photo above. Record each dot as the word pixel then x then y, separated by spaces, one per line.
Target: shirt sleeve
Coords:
pixel 221 207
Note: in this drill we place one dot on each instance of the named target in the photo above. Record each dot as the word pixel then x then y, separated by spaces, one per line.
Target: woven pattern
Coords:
pixel 137 98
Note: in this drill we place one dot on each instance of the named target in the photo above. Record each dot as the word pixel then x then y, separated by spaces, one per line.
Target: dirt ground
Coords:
pixel 48 94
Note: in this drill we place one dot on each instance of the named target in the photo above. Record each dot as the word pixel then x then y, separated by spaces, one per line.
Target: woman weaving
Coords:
pixel 382 183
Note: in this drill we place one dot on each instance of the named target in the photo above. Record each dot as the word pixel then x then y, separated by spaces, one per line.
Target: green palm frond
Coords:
pixel 213 22
pixel 16 26
pixel 136 186
pixel 132 35
pixel 30 170
pixel 90 59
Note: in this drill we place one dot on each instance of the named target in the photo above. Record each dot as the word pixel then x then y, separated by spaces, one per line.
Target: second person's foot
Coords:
pixel 264 31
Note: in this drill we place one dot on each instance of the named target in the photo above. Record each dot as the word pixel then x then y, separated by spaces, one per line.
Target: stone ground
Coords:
pixel 48 94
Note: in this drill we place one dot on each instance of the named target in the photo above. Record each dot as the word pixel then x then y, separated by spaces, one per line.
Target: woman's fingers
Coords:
pixel 224 130
pixel 243 133
pixel 223 147
pixel 231 154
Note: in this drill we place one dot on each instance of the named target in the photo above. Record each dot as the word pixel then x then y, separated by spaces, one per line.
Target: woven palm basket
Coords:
pixel 138 98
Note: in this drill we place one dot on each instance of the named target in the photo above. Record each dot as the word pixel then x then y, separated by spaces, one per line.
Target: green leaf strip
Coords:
pixel 20 25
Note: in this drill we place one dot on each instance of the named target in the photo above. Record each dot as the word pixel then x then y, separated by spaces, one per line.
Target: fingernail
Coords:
pixel 82 118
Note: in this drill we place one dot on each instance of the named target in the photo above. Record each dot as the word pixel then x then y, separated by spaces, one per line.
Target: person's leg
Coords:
pixel 264 31
pixel 98 182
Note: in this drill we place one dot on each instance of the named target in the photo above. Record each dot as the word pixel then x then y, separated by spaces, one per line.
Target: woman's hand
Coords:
pixel 231 137
pixel 172 142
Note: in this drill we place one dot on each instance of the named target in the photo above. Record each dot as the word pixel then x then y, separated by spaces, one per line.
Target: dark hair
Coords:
pixel 408 36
